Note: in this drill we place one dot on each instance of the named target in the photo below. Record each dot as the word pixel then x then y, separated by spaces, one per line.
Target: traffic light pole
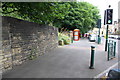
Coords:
pixel 99 39
pixel 106 43
pixel 99 31
pixel 99 26
pixel 108 20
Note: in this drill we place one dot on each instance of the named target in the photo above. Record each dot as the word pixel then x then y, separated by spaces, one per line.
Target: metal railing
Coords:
pixel 111 49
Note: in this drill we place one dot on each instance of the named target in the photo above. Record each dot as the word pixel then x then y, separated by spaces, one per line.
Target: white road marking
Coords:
pixel 99 75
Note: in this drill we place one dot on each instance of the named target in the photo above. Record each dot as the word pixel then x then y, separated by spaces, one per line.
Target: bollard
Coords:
pixel 72 40
pixel 114 49
pixel 92 57
pixel 106 44
pixel 108 51
pixel 71 36
pixel 99 40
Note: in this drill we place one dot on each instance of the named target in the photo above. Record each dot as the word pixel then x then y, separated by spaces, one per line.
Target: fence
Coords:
pixel 111 49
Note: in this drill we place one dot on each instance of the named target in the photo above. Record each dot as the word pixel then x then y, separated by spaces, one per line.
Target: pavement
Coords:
pixel 69 61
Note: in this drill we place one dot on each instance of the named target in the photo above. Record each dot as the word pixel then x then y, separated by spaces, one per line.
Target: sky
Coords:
pixel 103 5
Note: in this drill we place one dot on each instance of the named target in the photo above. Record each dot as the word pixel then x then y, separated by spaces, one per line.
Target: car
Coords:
pixel 115 36
pixel 112 36
pixel 92 38
pixel 118 38
pixel 109 36
pixel 113 74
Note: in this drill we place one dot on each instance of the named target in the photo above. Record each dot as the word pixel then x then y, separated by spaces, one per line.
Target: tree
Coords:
pixel 40 12
pixel 70 15
pixel 81 15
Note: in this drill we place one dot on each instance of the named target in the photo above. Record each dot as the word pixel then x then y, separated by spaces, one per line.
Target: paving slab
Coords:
pixel 69 61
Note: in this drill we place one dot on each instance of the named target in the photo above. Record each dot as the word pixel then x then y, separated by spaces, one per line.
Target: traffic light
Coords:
pixel 99 23
pixel 109 15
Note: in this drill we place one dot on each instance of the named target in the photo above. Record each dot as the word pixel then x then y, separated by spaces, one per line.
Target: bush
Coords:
pixel 64 37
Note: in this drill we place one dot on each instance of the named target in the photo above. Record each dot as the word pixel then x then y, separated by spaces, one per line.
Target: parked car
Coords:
pixel 111 36
pixel 113 74
pixel 115 36
pixel 92 38
pixel 118 38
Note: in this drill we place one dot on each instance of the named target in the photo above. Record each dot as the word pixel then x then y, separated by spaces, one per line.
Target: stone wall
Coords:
pixel 23 40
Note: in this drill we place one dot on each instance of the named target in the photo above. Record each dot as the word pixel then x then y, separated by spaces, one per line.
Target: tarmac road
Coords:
pixel 69 61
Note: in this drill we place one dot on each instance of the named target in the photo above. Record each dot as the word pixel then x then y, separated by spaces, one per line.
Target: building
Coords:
pixel 119 16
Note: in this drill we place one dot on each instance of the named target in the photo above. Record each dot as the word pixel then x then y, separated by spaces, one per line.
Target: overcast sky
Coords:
pixel 103 5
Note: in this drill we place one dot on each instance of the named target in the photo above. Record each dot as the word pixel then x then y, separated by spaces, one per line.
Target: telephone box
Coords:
pixel 76 34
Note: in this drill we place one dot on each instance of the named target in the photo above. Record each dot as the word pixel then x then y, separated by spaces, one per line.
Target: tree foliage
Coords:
pixel 81 15
pixel 40 12
pixel 70 15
